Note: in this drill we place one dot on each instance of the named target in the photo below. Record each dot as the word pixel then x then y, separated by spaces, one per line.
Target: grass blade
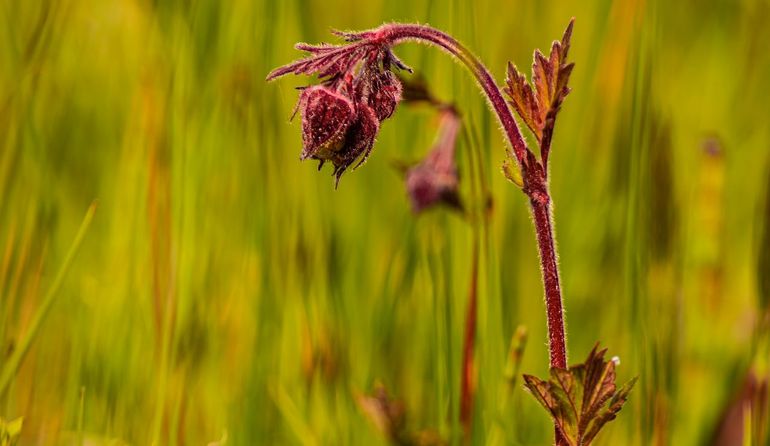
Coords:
pixel 9 368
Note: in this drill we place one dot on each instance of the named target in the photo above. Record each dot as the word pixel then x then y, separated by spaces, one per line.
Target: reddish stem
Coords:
pixel 533 174
pixel 550 270
pixel 397 32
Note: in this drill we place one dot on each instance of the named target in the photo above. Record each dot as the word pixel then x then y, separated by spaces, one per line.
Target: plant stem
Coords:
pixel 550 270
pixel 536 185
pixel 533 174
pixel 395 33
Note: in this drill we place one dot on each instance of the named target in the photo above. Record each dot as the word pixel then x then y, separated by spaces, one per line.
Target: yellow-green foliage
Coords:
pixel 225 292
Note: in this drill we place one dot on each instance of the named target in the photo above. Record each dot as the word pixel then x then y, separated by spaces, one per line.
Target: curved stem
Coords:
pixel 536 186
pixel 533 174
pixel 396 33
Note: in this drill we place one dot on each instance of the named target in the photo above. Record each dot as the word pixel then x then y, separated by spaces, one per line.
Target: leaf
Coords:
pixel 537 104
pixel 543 80
pixel 563 388
pixel 550 77
pixel 582 399
pixel 540 390
pixel 512 172
pixel 523 99
pixel 554 403
pixel 565 392
pixel 610 412
pixel 599 381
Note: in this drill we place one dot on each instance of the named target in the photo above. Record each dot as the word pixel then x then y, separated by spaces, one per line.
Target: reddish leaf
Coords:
pixel 610 412
pixel 523 99
pixel 542 77
pixel 582 399
pixel 538 102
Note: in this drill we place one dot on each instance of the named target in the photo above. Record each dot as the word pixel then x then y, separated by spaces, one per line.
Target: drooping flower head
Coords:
pixel 341 116
pixel 434 180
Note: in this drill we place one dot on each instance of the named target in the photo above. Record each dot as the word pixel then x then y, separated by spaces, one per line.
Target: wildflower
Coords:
pixel 341 117
pixel 326 117
pixel 434 180
pixel 385 94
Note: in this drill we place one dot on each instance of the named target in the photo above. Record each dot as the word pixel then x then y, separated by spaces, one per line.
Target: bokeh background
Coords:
pixel 225 293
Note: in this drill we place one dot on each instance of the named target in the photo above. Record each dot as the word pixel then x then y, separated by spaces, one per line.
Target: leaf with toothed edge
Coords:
pixel 582 399
pixel 538 103
pixel 523 99
pixel 610 412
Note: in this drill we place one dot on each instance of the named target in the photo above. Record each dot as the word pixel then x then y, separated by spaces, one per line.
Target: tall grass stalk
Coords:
pixel 13 363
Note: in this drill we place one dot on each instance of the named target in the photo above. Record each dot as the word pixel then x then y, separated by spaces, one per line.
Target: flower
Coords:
pixel 358 141
pixel 434 180
pixel 326 117
pixel 341 116
pixel 385 94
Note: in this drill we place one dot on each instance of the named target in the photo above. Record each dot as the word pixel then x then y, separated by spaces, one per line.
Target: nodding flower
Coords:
pixel 341 116
pixel 434 180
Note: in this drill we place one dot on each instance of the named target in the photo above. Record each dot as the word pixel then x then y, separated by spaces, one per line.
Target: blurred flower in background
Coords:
pixel 434 180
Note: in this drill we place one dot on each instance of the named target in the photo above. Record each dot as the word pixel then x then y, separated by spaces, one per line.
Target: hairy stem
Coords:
pixel 550 270
pixel 534 175
pixel 536 186
pixel 396 33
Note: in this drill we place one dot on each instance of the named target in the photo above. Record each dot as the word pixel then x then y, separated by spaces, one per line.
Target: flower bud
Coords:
pixel 385 94
pixel 326 117
pixel 359 141
pixel 434 180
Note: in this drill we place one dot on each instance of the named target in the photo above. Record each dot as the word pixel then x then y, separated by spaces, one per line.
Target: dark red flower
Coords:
pixel 385 94
pixel 358 142
pixel 434 180
pixel 326 117
pixel 342 115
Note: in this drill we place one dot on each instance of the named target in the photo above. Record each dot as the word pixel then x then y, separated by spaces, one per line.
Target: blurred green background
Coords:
pixel 225 292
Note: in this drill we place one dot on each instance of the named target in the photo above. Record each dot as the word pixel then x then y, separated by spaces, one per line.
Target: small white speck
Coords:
pixel 616 360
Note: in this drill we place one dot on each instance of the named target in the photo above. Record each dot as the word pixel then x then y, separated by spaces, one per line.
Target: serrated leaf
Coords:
pixel 582 399
pixel 599 381
pixel 610 412
pixel 523 99
pixel 538 102
pixel 566 37
pixel 563 386
pixel 543 80
pixel 541 391
pixel 550 77
pixel 566 386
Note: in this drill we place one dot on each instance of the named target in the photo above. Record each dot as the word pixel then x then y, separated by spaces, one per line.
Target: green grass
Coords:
pixel 226 290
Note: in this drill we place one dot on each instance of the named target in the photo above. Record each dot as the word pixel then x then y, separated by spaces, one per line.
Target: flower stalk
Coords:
pixel 533 172
pixel 372 49
pixel 341 118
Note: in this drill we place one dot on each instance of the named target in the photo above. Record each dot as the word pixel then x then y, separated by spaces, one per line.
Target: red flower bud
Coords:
pixel 359 141
pixel 385 94
pixel 326 117
pixel 434 180
pixel 342 115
